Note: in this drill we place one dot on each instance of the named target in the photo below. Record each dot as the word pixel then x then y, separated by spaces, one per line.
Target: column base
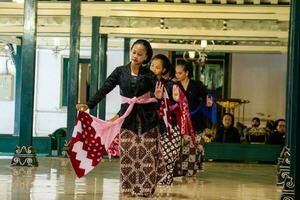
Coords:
pixel 283 166
pixel 25 156
pixel 288 191
pixel 65 150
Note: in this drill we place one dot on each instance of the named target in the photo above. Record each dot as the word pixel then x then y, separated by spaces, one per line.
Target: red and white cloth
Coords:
pixel 165 113
pixel 92 137
pixel 114 148
pixel 181 110
pixel 183 116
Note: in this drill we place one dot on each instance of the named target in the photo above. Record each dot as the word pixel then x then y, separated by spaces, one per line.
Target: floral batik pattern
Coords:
pixel 190 157
pixel 142 164
pixel 171 149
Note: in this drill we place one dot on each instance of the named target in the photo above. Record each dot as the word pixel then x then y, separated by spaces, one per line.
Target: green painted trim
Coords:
pixel 28 73
pixel 65 82
pixel 65 77
pixel 18 58
pixel 95 63
pixel 41 144
pixel 242 152
pixel 11 53
pixel 173 57
pixel 102 72
pixel 227 76
pixel 126 58
pixel 74 65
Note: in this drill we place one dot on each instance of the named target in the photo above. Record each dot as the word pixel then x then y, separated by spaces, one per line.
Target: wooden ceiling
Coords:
pixel 228 25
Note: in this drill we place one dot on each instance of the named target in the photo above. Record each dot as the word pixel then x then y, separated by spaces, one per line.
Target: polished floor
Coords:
pixel 54 179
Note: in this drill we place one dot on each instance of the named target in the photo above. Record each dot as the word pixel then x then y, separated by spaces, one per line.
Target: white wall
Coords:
pixel 48 115
pixel 7 117
pixel 7 107
pixel 261 79
pixel 113 99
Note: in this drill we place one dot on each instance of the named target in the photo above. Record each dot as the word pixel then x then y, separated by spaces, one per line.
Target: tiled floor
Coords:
pixel 55 179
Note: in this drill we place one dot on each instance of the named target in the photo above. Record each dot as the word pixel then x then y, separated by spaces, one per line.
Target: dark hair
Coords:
pixel 232 118
pixel 187 67
pixel 148 48
pixel 172 72
pixel 270 124
pixel 256 119
pixel 166 65
pixel 277 122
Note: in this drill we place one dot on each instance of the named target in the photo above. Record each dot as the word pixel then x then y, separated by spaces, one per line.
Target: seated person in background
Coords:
pixel 270 126
pixel 278 135
pixel 255 134
pixel 255 122
pixel 227 133
pixel 241 128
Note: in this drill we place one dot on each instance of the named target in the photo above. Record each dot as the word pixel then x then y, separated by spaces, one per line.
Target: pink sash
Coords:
pixel 108 130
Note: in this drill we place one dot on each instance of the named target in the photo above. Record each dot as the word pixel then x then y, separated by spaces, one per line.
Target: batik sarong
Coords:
pixel 142 164
pixel 171 150
pixel 189 159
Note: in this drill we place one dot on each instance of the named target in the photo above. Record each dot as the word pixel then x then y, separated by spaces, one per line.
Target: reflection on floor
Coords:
pixel 55 179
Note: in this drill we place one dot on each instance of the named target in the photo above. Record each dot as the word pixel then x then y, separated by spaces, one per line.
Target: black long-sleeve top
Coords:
pixel 227 135
pixel 168 84
pixel 131 86
pixel 276 137
pixel 196 93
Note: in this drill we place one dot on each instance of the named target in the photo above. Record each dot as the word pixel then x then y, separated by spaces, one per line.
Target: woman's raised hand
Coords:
pixel 209 101
pixel 159 89
pixel 175 91
pixel 81 107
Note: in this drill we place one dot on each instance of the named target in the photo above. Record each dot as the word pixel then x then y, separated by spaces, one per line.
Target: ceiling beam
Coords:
pixel 193 37
pixel 274 2
pixel 10 39
pixel 214 11
pixel 215 8
pixel 155 32
pixel 183 47
pixel 193 1
pixel 257 2
pixel 221 48
pixel 144 9
pixel 196 32
pixel 188 15
pixel 85 30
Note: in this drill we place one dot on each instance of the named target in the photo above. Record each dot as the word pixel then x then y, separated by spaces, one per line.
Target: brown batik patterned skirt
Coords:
pixel 142 164
pixel 170 149
pixel 190 158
